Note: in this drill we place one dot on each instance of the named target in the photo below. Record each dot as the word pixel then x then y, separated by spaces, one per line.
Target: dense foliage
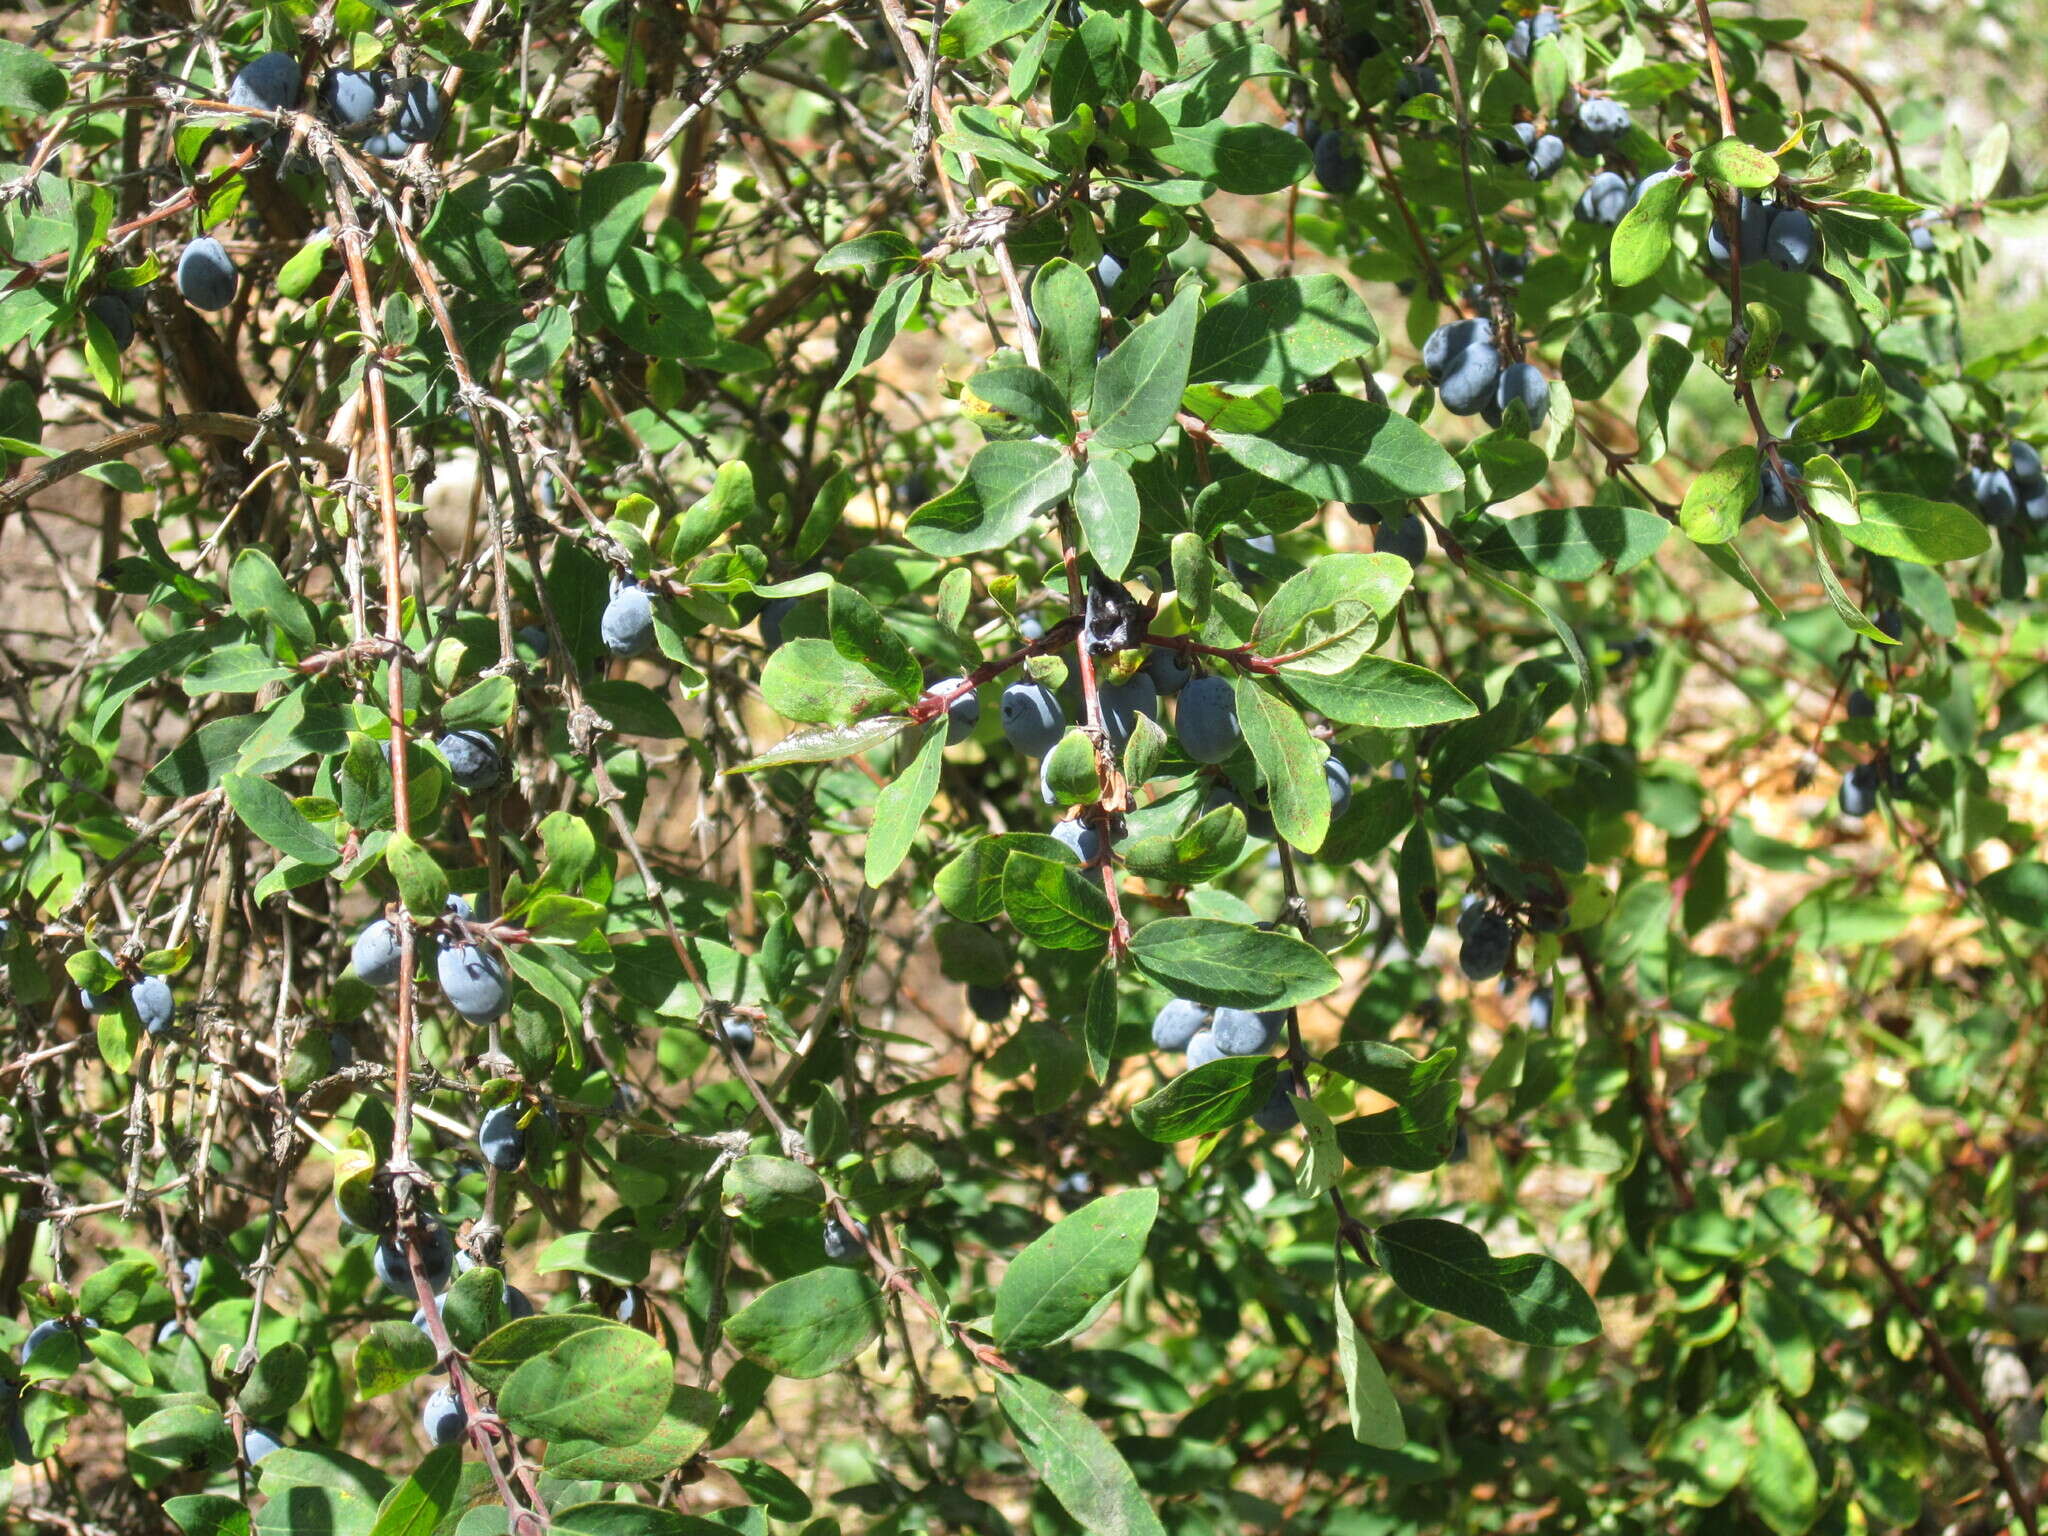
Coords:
pixel 1050 766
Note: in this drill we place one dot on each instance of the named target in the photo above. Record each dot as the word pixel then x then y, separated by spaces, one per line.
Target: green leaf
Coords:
pixel 1284 331
pixel 609 1519
pixel 419 1504
pixel 260 594
pixel 970 886
pixel 1600 349
pixel 1053 1286
pixel 232 669
pixel 1783 1484
pixel 1915 529
pixel 465 252
pixel 1011 400
pixel 1528 1298
pixel 1321 1162
pixel 29 83
pixel 1368 1399
pixel 810 680
pixel 1825 545
pixel 268 812
pixel 1071 772
pixel 684 1428
pixel 633 708
pixel 391 1355
pixel 1573 543
pixel 1098 1025
pixel 900 808
pixel 811 1325
pixel 1080 1466
pixel 116 1294
pixel 1736 163
pixel 473 1308
pixel 421 884
pixel 318 1493
pixel 185 1436
pixel 118 1355
pixel 882 247
pixel 1388 1069
pixel 1329 582
pixel 826 743
pixel 1643 238
pixel 1247 158
pixel 1204 851
pixel 2018 892
pixel 1138 386
pixel 208 1514
pixel 1069 326
pixel 276 1384
pixel 729 501
pixel 610 210
pixel 1106 502
pixel 617 1254
pixel 1844 415
pixel 769 1488
pixel 488 703
pixel 1054 903
pixel 1207 1098
pixel 760 1189
pixel 1008 484
pixel 1378 691
pixel 1335 448
pixel 1234 965
pixel 1290 760
pixel 865 640
pixel 1715 501
pixel 1413 1136
pixel 493 1361
pixel 894 305
pixel 980 25
pixel 610 1385
pixel 1670 361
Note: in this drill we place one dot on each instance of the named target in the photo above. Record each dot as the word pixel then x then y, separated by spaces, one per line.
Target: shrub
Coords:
pixel 1481 976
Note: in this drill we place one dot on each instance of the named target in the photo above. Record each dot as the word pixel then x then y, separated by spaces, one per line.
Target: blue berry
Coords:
pixel 443 1417
pixel 1178 1023
pixel 500 1136
pixel 1470 379
pixel 1858 797
pixel 206 277
pixel 475 982
pixel 1206 720
pixel 963 714
pixel 1169 669
pixel 845 1245
pixel 154 1005
pixel 1791 243
pixel 1082 837
pixel 473 759
pixel 1033 721
pixel 349 98
pixel 422 110
pixel 268 83
pixel 1122 703
pixel 991 1004
pixel 1337 775
pixel 437 1258
pixel 627 627
pixel 1238 1032
pixel 1485 952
